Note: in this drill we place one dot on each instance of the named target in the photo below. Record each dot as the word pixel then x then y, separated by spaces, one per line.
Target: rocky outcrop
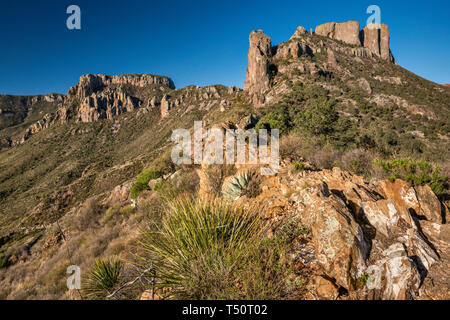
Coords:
pixel 371 240
pixel 91 83
pixel 105 105
pixel 103 97
pixel 376 38
pixel 258 72
pixel 347 32
pixel 165 107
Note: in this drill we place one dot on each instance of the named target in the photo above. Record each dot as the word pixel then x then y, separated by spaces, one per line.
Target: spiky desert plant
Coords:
pixel 102 277
pixel 198 247
pixel 245 183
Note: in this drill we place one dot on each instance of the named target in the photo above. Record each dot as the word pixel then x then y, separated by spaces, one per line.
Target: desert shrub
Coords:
pixel 415 172
pixel 211 250
pixel 216 174
pixel 142 181
pixel 299 165
pixel 88 214
pixel 102 277
pixel 244 184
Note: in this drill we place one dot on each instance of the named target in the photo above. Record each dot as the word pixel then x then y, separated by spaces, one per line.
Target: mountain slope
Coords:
pixel 67 162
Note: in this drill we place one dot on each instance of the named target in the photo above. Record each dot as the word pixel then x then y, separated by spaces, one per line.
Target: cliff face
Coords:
pixel 347 32
pixel 258 73
pixel 103 97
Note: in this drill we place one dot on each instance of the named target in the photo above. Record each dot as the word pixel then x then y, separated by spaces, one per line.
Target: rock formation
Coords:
pixel 258 73
pixel 102 96
pixel 376 240
pixel 347 32
pixel 298 33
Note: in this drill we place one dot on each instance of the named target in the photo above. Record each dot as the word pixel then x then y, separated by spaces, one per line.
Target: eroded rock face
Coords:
pixel 347 32
pixel 366 237
pixel 298 33
pixel 376 38
pixel 105 105
pixel 91 83
pixel 103 97
pixel 258 74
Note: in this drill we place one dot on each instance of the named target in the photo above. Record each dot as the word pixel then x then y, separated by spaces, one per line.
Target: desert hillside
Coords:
pixel 358 210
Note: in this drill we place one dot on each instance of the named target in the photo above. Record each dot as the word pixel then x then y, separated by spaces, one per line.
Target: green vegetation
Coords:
pixel 142 181
pixel 415 172
pixel 211 250
pixel 101 279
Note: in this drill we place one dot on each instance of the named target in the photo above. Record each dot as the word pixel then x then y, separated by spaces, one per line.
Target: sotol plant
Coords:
pixel 103 276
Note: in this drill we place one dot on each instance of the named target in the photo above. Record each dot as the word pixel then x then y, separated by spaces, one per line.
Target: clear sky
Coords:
pixel 197 42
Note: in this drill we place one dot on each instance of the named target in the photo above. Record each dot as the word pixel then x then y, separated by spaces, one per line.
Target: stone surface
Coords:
pixel 298 33
pixel 258 74
pixel 376 38
pixel 347 32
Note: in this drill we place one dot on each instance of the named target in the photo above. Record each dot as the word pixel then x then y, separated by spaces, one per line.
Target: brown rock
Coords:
pixel 339 242
pixel 332 62
pixel 430 206
pixel 258 74
pixel 376 39
pixel 324 288
pixel 165 107
pixel 347 32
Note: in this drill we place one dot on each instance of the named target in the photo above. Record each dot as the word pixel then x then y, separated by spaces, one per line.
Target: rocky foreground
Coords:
pixel 368 240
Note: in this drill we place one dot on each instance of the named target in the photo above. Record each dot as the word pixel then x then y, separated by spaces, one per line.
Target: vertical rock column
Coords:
pixel 376 39
pixel 258 73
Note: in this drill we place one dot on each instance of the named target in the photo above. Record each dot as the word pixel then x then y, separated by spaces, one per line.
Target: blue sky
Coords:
pixel 193 41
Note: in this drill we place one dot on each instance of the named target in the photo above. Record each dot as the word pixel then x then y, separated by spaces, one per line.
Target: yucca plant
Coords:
pixel 199 246
pixel 245 183
pixel 102 277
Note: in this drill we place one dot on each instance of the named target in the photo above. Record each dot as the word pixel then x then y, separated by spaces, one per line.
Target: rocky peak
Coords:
pixel 91 83
pixel 258 73
pixel 347 32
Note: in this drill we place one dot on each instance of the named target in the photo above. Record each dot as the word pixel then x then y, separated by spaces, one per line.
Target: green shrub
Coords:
pixel 102 278
pixel 244 184
pixel 142 181
pixel 211 250
pixel 299 166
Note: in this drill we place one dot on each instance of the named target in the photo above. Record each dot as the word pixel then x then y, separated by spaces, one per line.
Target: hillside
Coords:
pixel 68 164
